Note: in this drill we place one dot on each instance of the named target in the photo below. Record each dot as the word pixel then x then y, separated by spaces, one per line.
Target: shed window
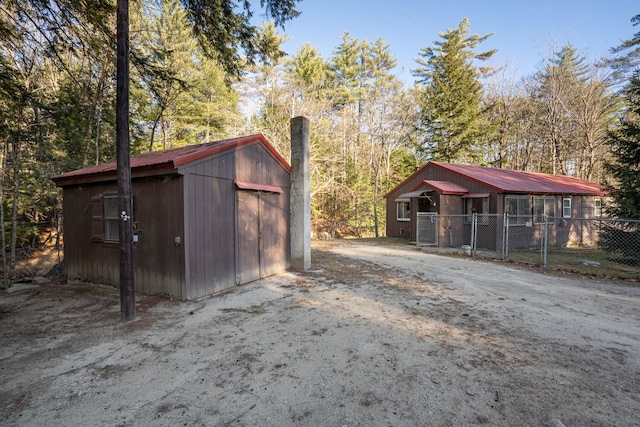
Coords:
pixel 543 206
pixel 566 207
pixel 105 219
pixel 518 208
pixel 111 227
pixel 403 210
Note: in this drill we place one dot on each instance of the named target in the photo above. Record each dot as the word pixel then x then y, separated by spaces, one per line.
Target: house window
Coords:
pixel 543 206
pixel 111 228
pixel 403 210
pixel 566 207
pixel 477 205
pixel 597 209
pixel 518 208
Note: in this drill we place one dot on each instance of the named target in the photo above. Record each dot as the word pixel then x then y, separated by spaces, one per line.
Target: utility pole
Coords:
pixel 125 204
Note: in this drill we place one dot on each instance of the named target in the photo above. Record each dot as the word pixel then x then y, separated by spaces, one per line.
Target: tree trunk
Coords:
pixel 15 157
pixel 375 202
pixel 5 276
pixel 93 114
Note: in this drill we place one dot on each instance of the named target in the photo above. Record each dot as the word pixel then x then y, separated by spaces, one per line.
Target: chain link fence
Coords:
pixel 585 245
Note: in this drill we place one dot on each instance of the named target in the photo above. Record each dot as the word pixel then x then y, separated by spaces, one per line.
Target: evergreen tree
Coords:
pixel 179 94
pixel 266 88
pixel 347 68
pixel 563 77
pixel 225 31
pixel 451 95
pixel 624 237
pixel 167 48
pixel 625 147
pixel 311 70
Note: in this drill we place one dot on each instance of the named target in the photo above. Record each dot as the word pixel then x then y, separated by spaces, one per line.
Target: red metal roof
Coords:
pixel 511 181
pixel 170 159
pixel 443 187
pixel 515 182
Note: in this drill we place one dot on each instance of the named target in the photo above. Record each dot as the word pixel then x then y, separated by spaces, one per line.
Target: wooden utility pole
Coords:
pixel 125 204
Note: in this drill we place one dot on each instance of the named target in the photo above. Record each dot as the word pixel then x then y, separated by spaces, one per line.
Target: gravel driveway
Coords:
pixel 372 335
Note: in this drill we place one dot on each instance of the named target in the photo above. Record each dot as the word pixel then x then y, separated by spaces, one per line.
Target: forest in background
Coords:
pixel 369 130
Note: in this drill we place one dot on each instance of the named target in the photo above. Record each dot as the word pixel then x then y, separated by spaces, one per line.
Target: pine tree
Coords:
pixel 562 78
pixel 624 237
pixel 311 70
pixel 452 119
pixel 625 147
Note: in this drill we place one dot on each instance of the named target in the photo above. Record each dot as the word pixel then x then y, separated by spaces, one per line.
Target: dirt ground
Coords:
pixel 372 335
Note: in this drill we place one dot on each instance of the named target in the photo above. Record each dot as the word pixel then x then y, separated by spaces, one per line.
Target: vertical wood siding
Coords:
pixel 85 258
pixel 158 263
pixel 274 229
pixel 223 236
pixel 437 174
pixel 581 206
pixel 210 238
pixel 249 246
pixel 158 215
pixel 198 206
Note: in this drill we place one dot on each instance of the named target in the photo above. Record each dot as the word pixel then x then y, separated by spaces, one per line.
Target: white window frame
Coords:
pixel 597 208
pixel 566 207
pixel 403 210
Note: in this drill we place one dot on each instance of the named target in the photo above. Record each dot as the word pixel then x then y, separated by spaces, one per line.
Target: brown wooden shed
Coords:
pixel 206 217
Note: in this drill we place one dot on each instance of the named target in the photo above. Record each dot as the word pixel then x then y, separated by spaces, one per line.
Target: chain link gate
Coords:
pixel 427 229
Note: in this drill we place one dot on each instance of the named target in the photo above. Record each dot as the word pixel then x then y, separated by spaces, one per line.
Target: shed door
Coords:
pixel 248 237
pixel 262 235
pixel 273 233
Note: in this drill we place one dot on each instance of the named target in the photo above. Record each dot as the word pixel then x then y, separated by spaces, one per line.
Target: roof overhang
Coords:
pixel 254 186
pixel 442 187
pixel 415 194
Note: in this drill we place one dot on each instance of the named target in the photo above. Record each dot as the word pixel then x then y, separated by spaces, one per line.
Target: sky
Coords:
pixel 524 31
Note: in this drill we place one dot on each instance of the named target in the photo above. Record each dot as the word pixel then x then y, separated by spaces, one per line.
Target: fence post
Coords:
pixel 545 241
pixel 474 224
pixel 505 246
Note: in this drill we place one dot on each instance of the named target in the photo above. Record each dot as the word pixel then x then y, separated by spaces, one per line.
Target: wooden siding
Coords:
pixel 188 227
pixel 274 233
pixel 249 248
pixel 158 262
pixel 450 207
pixel 87 259
pixel 158 216
pixel 214 227
pixel 261 235
pixel 210 237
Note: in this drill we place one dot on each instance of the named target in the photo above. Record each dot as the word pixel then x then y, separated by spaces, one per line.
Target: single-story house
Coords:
pixel 447 189
pixel 206 218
